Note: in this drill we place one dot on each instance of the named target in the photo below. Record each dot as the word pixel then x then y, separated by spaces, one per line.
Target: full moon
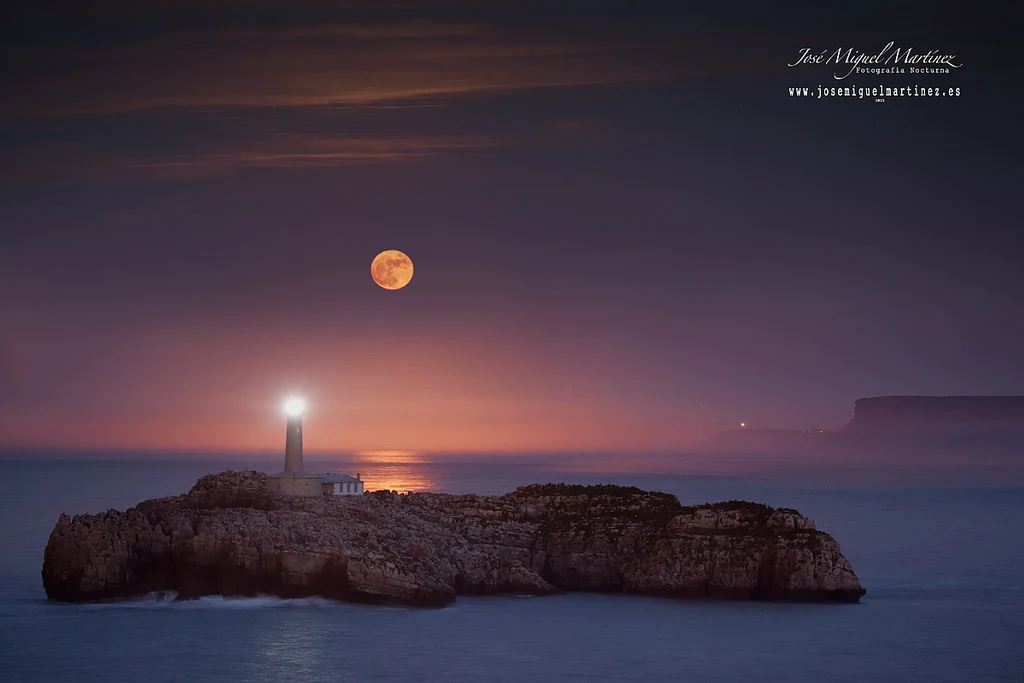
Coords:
pixel 391 269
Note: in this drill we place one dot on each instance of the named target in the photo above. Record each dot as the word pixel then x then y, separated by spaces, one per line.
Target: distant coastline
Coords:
pixel 944 424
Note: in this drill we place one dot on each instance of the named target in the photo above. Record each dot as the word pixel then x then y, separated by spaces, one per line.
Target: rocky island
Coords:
pixel 231 536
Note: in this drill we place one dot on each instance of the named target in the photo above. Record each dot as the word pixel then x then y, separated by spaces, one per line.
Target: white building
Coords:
pixel 341 485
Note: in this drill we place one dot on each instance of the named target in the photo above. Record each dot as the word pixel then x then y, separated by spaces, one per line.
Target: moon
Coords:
pixel 391 269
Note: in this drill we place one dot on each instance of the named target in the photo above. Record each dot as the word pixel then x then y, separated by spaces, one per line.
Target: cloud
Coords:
pixel 291 150
pixel 319 64
pixel 55 162
pixel 169 93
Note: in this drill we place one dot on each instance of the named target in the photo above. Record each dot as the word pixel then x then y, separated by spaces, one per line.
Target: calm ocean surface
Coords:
pixel 943 565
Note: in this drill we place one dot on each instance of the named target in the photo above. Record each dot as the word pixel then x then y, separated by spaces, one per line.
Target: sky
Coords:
pixel 626 233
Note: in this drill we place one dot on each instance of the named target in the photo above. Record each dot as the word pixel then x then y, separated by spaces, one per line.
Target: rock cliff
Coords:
pixel 229 536
pixel 937 411
pixel 932 430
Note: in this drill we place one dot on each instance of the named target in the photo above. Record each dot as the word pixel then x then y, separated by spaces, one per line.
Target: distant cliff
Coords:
pixel 938 411
pixel 974 426
pixel 230 536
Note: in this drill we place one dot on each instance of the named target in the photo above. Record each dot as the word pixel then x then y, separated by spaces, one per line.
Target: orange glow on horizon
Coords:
pixel 390 456
pixel 400 471
pixel 222 390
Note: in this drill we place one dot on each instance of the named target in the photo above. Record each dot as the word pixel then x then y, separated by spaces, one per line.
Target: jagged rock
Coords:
pixel 230 536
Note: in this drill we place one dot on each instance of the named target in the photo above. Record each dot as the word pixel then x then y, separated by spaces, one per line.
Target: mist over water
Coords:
pixel 940 560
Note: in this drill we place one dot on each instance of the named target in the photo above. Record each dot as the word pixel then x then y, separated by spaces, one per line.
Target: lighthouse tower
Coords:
pixel 293 439
pixel 294 480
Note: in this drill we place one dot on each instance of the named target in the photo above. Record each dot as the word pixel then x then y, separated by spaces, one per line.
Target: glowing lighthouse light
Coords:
pixel 743 424
pixel 294 407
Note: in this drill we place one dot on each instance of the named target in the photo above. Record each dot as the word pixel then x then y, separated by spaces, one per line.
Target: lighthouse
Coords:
pixel 293 408
pixel 294 480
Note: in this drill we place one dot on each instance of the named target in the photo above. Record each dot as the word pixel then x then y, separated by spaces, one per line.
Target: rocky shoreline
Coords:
pixel 230 536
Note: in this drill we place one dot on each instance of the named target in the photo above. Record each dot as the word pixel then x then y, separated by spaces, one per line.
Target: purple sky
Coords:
pixel 626 233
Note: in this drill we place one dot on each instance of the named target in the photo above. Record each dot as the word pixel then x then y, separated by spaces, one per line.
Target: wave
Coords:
pixel 169 600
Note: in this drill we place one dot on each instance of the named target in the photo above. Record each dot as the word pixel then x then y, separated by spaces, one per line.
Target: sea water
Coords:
pixel 943 566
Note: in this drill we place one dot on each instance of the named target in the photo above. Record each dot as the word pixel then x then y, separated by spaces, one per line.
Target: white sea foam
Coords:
pixel 168 600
